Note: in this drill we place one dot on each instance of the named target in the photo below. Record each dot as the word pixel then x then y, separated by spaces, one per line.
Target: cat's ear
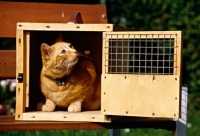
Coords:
pixel 45 50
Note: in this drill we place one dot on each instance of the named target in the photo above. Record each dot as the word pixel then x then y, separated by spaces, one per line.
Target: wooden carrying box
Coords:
pixel 140 71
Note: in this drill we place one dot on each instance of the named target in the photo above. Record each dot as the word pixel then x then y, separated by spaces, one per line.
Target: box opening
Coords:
pixel 82 41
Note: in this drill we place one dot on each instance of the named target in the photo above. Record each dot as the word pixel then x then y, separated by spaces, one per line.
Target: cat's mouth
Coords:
pixel 75 60
pixel 72 62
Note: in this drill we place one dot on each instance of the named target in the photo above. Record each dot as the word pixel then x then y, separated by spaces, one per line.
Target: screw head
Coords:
pixel 104 16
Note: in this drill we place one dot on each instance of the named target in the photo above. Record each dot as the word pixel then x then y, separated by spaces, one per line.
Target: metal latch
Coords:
pixel 20 77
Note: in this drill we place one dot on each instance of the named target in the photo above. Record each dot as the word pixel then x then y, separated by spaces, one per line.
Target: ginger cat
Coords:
pixel 68 79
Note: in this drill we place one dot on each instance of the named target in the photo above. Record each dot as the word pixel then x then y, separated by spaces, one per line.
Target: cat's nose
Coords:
pixel 75 52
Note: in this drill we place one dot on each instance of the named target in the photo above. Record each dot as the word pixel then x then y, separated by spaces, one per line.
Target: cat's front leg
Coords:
pixel 49 105
pixel 75 106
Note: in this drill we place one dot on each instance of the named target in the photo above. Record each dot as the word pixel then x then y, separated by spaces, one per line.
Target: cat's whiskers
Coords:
pixel 81 55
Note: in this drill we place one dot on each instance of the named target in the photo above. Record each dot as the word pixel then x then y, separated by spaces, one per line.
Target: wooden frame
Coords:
pixel 145 87
pixel 23 41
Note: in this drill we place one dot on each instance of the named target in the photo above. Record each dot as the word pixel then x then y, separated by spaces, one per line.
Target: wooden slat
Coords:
pixel 20 68
pixel 66 27
pixel 13 12
pixel 144 34
pixel 179 53
pixel 7 123
pixel 27 44
pixel 105 56
pixel 7 63
pixel 90 116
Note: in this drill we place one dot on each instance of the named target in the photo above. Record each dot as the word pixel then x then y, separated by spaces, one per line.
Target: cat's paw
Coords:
pixel 74 107
pixel 48 108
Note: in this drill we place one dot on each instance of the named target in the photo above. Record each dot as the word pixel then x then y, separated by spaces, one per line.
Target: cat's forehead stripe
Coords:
pixel 64 45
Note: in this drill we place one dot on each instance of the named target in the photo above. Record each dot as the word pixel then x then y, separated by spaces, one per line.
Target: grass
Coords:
pixel 133 132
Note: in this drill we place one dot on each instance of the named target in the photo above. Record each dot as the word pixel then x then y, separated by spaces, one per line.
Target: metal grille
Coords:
pixel 141 54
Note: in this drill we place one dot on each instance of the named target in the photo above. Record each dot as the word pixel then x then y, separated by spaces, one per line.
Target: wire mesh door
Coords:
pixel 141 74
pixel 154 53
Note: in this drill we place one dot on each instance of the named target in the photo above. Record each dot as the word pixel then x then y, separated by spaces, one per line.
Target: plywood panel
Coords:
pixel 13 12
pixel 140 95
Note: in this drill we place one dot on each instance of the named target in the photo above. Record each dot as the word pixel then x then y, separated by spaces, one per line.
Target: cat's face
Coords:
pixel 59 57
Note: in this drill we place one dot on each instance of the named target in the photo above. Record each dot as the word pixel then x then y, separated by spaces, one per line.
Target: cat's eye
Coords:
pixel 71 46
pixel 63 51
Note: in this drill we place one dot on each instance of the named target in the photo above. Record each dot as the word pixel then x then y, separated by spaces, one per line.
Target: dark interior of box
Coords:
pixel 80 40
